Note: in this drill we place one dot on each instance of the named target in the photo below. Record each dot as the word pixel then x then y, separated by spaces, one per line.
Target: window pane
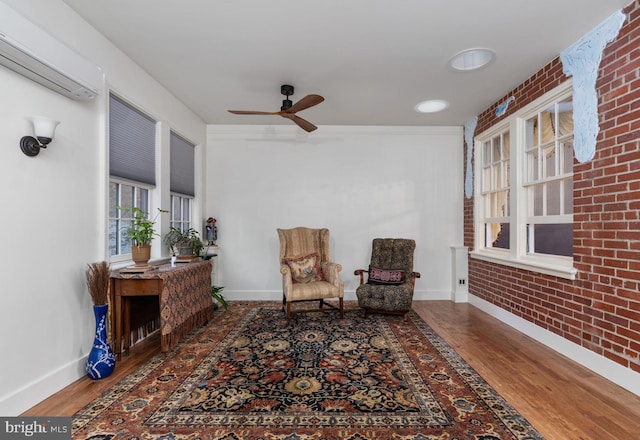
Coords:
pixel 127 195
pixel 506 147
pixel 567 186
pixel 531 132
pixel 113 237
pixel 538 199
pixel 565 117
pixel 505 174
pixel 549 160
pixel 567 156
pixel 532 165
pixel 505 204
pixel 547 126
pixel 497 176
pixel 486 179
pixel 113 199
pixel 499 204
pixel 497 235
pixel 185 210
pixel 125 242
pixel 176 211
pixel 486 156
pixel 143 199
pixel 553 198
pixel 553 239
pixel 496 155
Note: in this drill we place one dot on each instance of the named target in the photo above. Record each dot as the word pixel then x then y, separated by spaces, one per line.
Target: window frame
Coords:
pixel 496 172
pixel 151 188
pixel 181 224
pixel 517 255
pixel 122 217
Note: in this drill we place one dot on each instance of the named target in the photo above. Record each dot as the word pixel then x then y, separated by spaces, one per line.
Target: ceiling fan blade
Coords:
pixel 251 112
pixel 304 103
pixel 302 123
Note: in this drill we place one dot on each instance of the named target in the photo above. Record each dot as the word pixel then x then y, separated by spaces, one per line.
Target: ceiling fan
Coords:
pixel 289 109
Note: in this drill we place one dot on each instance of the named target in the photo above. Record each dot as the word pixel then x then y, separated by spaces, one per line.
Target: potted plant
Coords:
pixel 141 232
pixel 215 294
pixel 185 243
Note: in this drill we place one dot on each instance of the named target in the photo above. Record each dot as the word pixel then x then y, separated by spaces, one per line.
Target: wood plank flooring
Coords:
pixel 559 397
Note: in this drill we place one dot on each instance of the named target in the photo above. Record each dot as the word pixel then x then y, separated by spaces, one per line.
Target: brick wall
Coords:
pixel 600 310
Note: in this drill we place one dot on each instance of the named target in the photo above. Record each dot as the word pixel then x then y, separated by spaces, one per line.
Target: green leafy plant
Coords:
pixel 215 293
pixel 185 242
pixel 141 230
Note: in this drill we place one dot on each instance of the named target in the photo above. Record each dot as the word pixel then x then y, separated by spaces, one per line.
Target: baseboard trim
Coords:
pixel 616 373
pixel 35 392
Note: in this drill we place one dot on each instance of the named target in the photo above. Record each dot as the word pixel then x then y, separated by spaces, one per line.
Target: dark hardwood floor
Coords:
pixel 560 398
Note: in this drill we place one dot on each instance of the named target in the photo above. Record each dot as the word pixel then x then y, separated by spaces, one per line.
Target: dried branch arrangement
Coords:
pixel 98 282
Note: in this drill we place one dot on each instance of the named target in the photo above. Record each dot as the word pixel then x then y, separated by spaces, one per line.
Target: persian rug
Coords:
pixel 249 375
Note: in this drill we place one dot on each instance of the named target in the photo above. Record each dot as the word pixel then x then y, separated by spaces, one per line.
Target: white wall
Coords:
pixel 360 182
pixel 53 209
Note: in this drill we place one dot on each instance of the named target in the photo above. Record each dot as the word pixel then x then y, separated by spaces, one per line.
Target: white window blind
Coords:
pixel 182 166
pixel 132 143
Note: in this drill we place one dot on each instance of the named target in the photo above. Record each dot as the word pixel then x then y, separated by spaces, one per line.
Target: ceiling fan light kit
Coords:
pixel 289 109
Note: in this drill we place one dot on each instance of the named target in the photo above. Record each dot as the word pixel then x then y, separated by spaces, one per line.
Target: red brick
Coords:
pixel 600 310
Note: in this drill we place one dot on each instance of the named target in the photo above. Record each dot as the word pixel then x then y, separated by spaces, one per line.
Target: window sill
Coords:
pixel 551 266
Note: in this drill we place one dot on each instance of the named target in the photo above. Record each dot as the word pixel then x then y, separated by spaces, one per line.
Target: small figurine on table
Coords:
pixel 211 231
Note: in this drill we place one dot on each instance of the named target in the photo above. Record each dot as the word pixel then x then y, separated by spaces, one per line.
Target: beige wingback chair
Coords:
pixel 308 274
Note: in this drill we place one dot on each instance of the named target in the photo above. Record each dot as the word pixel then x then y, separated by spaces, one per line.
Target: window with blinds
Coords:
pixel 182 181
pixel 132 145
pixel 182 166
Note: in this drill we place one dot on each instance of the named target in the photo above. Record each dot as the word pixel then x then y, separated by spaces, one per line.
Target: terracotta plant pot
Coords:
pixel 141 255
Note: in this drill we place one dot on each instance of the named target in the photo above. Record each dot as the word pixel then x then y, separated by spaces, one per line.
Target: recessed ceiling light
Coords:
pixel 471 59
pixel 432 106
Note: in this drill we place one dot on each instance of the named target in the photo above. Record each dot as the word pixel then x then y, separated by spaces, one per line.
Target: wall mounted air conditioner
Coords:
pixel 32 52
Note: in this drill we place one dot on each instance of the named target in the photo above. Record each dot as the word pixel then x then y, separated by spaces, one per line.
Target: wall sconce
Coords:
pixel 44 129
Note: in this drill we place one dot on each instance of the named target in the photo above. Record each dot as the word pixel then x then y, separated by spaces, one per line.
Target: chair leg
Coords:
pixel 288 312
pixel 341 308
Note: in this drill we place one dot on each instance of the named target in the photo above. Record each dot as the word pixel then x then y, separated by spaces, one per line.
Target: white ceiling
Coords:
pixel 372 60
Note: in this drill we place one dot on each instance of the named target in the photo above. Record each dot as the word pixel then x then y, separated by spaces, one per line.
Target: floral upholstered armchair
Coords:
pixel 391 279
pixel 308 274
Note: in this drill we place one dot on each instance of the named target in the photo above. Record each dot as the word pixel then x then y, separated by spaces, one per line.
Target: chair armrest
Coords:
pixel 361 272
pixel 414 275
pixel 330 272
pixel 287 280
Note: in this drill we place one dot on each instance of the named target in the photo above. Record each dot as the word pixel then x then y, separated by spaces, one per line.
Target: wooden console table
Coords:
pixel 184 295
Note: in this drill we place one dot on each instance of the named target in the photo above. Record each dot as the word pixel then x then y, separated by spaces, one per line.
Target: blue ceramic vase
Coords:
pixel 101 361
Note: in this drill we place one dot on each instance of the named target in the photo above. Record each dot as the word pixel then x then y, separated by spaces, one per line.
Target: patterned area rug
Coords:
pixel 249 375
